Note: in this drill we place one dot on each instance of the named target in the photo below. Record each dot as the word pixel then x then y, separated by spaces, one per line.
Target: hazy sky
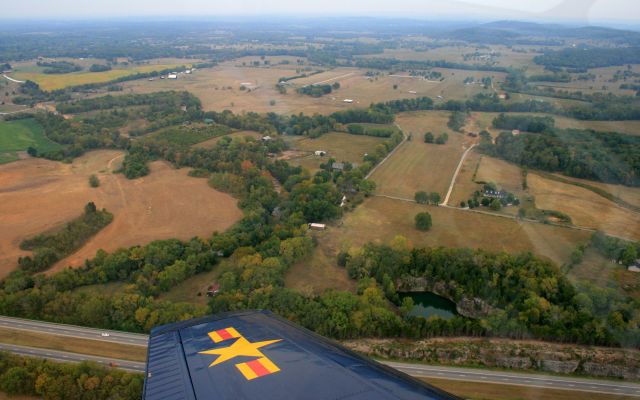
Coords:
pixel 580 10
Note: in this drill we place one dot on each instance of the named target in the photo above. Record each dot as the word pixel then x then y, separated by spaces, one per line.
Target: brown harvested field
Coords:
pixel 417 165
pixel 73 345
pixel 39 195
pixel 381 220
pixel 207 144
pixel 341 146
pixel 485 391
pixel 584 207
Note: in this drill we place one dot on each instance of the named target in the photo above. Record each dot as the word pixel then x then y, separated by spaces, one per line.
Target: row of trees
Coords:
pixel 50 247
pixel 602 156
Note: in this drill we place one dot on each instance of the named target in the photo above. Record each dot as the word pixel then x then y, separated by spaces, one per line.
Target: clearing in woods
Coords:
pixel 380 220
pixel 16 136
pixel 340 146
pixel 421 166
pixel 39 195
pixel 239 135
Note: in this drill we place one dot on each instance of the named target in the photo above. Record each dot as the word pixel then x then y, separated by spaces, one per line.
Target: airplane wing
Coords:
pixel 258 355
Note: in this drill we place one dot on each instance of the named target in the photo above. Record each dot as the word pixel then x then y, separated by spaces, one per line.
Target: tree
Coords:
pixel 434 198
pixel 463 204
pixel 629 255
pixel 32 151
pixel 90 208
pixel 272 103
pixel 421 197
pixel 495 205
pixel 442 139
pixel 336 86
pixel 423 221
pixel 428 137
pixel 94 181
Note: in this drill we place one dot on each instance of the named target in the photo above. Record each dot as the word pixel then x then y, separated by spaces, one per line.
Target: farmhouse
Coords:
pixel 494 194
pixel 317 227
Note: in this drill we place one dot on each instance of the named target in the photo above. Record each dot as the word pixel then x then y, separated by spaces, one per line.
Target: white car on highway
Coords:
pixel 104 334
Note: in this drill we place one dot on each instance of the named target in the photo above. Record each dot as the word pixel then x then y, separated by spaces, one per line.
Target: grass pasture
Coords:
pixel 585 207
pixel 60 81
pixel 417 165
pixel 602 272
pixel 341 146
pixel 188 135
pixel 17 136
pixel 381 220
pixel 239 135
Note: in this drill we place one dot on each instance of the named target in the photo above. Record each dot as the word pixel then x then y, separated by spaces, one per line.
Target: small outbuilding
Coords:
pixel 317 227
pixel 320 153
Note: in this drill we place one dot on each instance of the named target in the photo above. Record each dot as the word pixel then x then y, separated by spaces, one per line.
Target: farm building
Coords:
pixel 502 96
pixel 213 289
pixel 317 227
pixel 266 138
pixel 320 153
pixel 515 132
pixel 634 268
pixel 348 100
pixel 172 76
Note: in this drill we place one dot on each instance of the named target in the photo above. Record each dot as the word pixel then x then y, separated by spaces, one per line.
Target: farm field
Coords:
pixel 381 220
pixel 17 136
pixel 39 195
pixel 341 146
pixel 500 172
pixel 584 207
pixel 465 185
pixel 207 144
pixel 219 88
pixel 417 165
pixel 60 81
pixel 628 127
pixel 604 81
pixel 629 194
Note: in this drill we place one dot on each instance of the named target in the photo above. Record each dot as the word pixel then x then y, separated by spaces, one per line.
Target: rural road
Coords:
pixel 333 79
pixel 12 80
pixel 416 370
pixel 455 175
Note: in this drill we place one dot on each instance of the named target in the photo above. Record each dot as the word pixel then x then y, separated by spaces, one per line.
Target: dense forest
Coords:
pixel 585 57
pixel 27 376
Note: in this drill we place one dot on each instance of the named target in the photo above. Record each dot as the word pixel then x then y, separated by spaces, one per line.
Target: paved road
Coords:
pixel 72 357
pixel 74 331
pixel 417 370
pixel 519 379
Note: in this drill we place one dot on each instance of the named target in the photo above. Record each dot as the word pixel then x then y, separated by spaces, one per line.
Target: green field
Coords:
pixel 19 135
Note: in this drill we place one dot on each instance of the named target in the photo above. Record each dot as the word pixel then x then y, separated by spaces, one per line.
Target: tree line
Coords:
pixel 48 248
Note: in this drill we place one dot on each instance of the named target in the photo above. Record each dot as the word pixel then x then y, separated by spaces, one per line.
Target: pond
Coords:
pixel 427 304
